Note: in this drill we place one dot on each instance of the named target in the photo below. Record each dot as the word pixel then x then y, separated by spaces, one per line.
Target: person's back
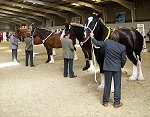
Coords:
pixel 114 59
pixel 68 49
pixel 68 54
pixel 29 50
pixel 29 45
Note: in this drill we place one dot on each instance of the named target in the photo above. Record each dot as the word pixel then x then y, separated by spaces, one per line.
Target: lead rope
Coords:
pixel 94 58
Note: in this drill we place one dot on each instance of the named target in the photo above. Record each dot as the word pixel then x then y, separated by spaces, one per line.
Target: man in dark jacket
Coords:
pixel 115 58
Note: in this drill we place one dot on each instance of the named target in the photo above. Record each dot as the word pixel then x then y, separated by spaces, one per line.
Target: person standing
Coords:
pixel 29 50
pixel 115 59
pixel 68 54
pixel 14 46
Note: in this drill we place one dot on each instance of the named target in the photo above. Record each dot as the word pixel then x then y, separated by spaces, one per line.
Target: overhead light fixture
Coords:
pixel 75 4
pixel 97 1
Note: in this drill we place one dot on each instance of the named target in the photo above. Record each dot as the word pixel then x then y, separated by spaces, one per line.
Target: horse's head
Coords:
pixel 75 30
pixel 34 32
pixel 22 33
pixel 91 24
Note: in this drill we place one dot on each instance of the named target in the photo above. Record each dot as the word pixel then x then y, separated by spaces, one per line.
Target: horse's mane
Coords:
pixel 44 28
pixel 76 24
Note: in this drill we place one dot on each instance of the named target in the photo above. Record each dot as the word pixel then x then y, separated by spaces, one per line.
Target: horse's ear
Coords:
pixel 99 15
pixel 66 26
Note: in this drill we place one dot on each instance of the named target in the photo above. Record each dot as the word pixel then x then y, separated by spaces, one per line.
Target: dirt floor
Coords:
pixel 43 91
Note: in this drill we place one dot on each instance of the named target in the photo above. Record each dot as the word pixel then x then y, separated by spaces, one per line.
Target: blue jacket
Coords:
pixel 115 54
pixel 13 42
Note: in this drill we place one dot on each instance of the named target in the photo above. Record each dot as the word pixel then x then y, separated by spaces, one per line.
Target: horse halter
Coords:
pixel 91 30
pixel 33 32
pixel 87 27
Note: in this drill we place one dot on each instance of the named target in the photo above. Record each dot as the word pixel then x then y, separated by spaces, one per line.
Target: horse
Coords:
pixel 22 33
pixel 77 31
pixel 129 37
pixel 50 40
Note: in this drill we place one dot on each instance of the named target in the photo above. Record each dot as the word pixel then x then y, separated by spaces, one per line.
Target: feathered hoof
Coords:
pixel 141 78
pixel 47 61
pixel 112 90
pixel 90 69
pixel 76 58
pixel 132 78
pixel 51 62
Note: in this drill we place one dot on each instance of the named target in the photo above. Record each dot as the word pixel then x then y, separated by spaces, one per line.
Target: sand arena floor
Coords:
pixel 43 91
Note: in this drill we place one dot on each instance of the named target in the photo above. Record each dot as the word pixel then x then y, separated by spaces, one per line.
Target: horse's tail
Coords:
pixel 138 41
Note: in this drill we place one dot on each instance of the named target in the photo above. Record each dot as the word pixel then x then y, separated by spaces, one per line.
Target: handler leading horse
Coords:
pixel 129 37
pixel 50 40
pixel 77 31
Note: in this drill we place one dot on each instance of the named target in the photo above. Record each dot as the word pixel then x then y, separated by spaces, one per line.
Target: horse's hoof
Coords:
pixel 46 61
pixel 90 69
pixel 132 78
pixel 85 68
pixel 141 78
pixel 51 62
pixel 76 58
pixel 112 90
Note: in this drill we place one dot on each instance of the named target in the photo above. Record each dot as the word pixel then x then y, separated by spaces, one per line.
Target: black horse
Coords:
pixel 77 31
pixel 129 37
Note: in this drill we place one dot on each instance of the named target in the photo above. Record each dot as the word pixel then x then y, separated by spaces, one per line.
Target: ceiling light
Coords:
pixel 75 4
pixel 97 1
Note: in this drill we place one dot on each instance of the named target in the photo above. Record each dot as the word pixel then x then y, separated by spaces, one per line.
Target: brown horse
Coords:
pixel 50 40
pixel 22 33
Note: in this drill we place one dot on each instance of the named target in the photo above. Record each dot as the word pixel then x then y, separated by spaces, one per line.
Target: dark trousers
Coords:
pixel 117 86
pixel 68 62
pixel 29 53
pixel 14 55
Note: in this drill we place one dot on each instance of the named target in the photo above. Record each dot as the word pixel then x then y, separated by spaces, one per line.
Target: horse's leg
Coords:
pixel 54 52
pixel 75 54
pixel 86 58
pixel 91 68
pixel 48 55
pixel 134 61
pixel 51 55
pixel 102 82
pixel 140 77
